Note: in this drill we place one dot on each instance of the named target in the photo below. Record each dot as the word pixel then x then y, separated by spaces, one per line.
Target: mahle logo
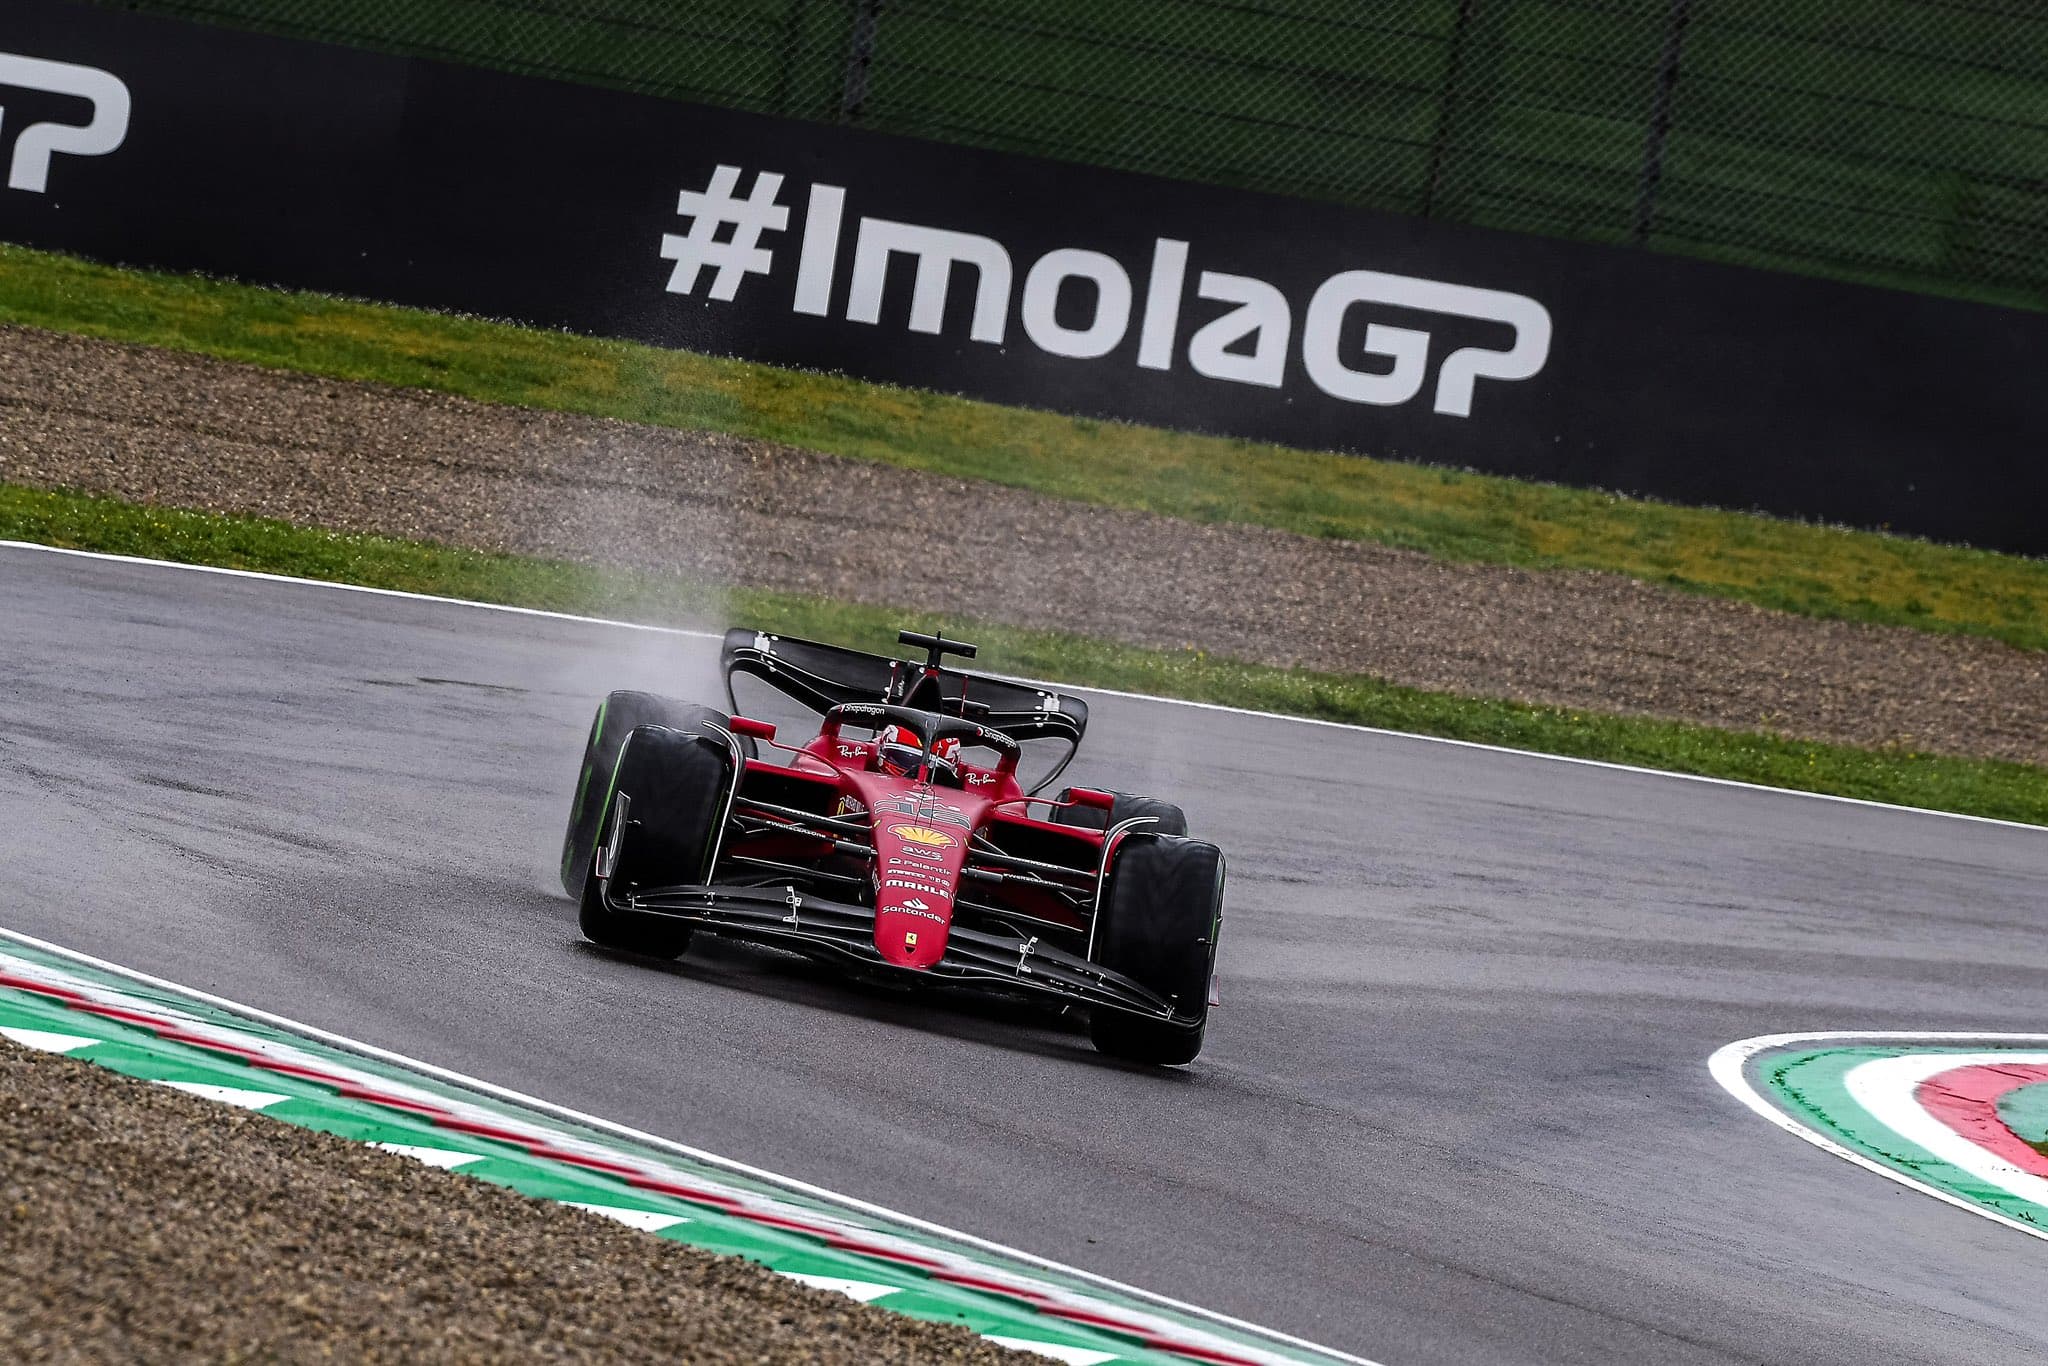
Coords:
pixel 1249 344
pixel 102 132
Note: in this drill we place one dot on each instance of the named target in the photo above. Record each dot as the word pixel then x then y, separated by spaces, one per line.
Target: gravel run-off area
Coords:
pixel 141 1224
pixel 188 431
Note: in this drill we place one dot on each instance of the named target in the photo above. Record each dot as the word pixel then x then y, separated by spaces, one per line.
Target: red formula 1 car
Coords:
pixel 898 840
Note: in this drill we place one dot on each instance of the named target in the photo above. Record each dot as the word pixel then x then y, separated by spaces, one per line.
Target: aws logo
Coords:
pixel 103 131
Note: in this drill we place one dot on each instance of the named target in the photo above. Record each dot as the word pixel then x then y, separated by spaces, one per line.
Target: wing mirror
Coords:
pixel 1091 797
pixel 752 729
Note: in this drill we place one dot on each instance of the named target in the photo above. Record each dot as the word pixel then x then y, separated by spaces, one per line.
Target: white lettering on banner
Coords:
pixel 29 168
pixel 1410 349
pixel 737 257
pixel 1250 343
pixel 1261 313
pixel 821 250
pixel 937 251
pixel 1112 303
pixel 1162 304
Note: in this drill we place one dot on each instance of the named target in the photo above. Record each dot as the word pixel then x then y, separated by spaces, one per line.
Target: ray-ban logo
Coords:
pixel 102 132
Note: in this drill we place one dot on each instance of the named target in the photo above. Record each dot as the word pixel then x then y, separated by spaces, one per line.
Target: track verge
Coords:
pixel 59 1001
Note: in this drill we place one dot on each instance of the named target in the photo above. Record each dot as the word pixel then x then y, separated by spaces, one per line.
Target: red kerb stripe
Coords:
pixel 1967 1101
pixel 936 1269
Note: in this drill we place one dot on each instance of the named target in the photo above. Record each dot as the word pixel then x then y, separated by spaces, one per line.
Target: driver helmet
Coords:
pixel 898 752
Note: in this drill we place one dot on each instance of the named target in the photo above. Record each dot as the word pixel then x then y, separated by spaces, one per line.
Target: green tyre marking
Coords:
pixel 583 784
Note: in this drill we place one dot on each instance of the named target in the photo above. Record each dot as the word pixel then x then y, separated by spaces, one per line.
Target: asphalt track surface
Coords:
pixel 1455 1109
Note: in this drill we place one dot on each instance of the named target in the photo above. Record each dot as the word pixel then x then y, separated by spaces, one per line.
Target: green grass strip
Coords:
pixel 1815 570
pixel 1980 787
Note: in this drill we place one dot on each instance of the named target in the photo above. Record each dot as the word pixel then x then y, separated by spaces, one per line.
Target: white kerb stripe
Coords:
pixel 238 1096
pixel 1886 1087
pixel 647 1220
pixel 447 1159
pixel 1729 1067
pixel 864 1291
pixel 44 1041
pixel 1058 1351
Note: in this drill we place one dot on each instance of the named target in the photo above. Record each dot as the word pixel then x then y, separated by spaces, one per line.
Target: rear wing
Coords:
pixel 825 676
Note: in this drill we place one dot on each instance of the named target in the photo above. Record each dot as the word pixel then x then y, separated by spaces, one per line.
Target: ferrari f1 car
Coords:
pixel 899 841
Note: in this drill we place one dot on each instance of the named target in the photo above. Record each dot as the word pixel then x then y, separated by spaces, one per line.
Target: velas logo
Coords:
pixel 1250 343
pixel 922 835
pixel 1961 1117
pixel 103 131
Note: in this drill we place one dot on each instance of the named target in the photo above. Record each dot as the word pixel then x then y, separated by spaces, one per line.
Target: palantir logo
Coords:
pixel 1248 344
pixel 29 167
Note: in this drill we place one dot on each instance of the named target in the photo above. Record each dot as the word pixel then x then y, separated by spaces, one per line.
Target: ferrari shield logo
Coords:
pixel 910 939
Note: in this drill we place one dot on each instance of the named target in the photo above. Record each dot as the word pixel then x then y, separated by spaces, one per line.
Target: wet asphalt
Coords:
pixel 1455 1107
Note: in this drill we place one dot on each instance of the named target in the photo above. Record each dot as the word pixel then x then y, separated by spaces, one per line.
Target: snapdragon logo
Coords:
pixel 1250 343
pixel 102 132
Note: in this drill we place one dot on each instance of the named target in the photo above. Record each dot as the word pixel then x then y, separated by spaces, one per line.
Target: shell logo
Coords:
pixel 923 836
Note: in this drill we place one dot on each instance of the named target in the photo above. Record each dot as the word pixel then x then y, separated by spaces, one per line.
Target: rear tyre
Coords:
pixel 616 718
pixel 1167 818
pixel 674 784
pixel 1161 914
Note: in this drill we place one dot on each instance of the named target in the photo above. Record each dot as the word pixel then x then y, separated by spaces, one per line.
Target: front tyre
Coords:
pixel 662 818
pixel 617 716
pixel 1161 914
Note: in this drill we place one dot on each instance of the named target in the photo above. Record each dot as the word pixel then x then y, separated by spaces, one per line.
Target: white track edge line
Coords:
pixel 1044 683
pixel 505 1093
pixel 150 561
pixel 1729 1065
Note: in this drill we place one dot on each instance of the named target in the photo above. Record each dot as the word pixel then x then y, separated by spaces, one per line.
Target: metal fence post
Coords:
pixel 792 32
pixel 1660 119
pixel 860 55
pixel 1454 68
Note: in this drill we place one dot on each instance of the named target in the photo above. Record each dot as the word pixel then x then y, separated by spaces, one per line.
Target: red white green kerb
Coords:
pixel 1961 1117
pixel 60 1001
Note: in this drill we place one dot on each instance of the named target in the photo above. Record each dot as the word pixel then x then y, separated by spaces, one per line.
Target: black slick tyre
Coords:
pixel 616 718
pixel 1167 819
pixel 669 792
pixel 1161 913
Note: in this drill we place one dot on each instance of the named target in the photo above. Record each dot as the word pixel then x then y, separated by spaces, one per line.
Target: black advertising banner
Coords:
pixel 160 143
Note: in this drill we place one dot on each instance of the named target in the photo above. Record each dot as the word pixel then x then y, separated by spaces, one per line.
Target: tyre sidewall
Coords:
pixel 617 717
pixel 676 784
pixel 1162 912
